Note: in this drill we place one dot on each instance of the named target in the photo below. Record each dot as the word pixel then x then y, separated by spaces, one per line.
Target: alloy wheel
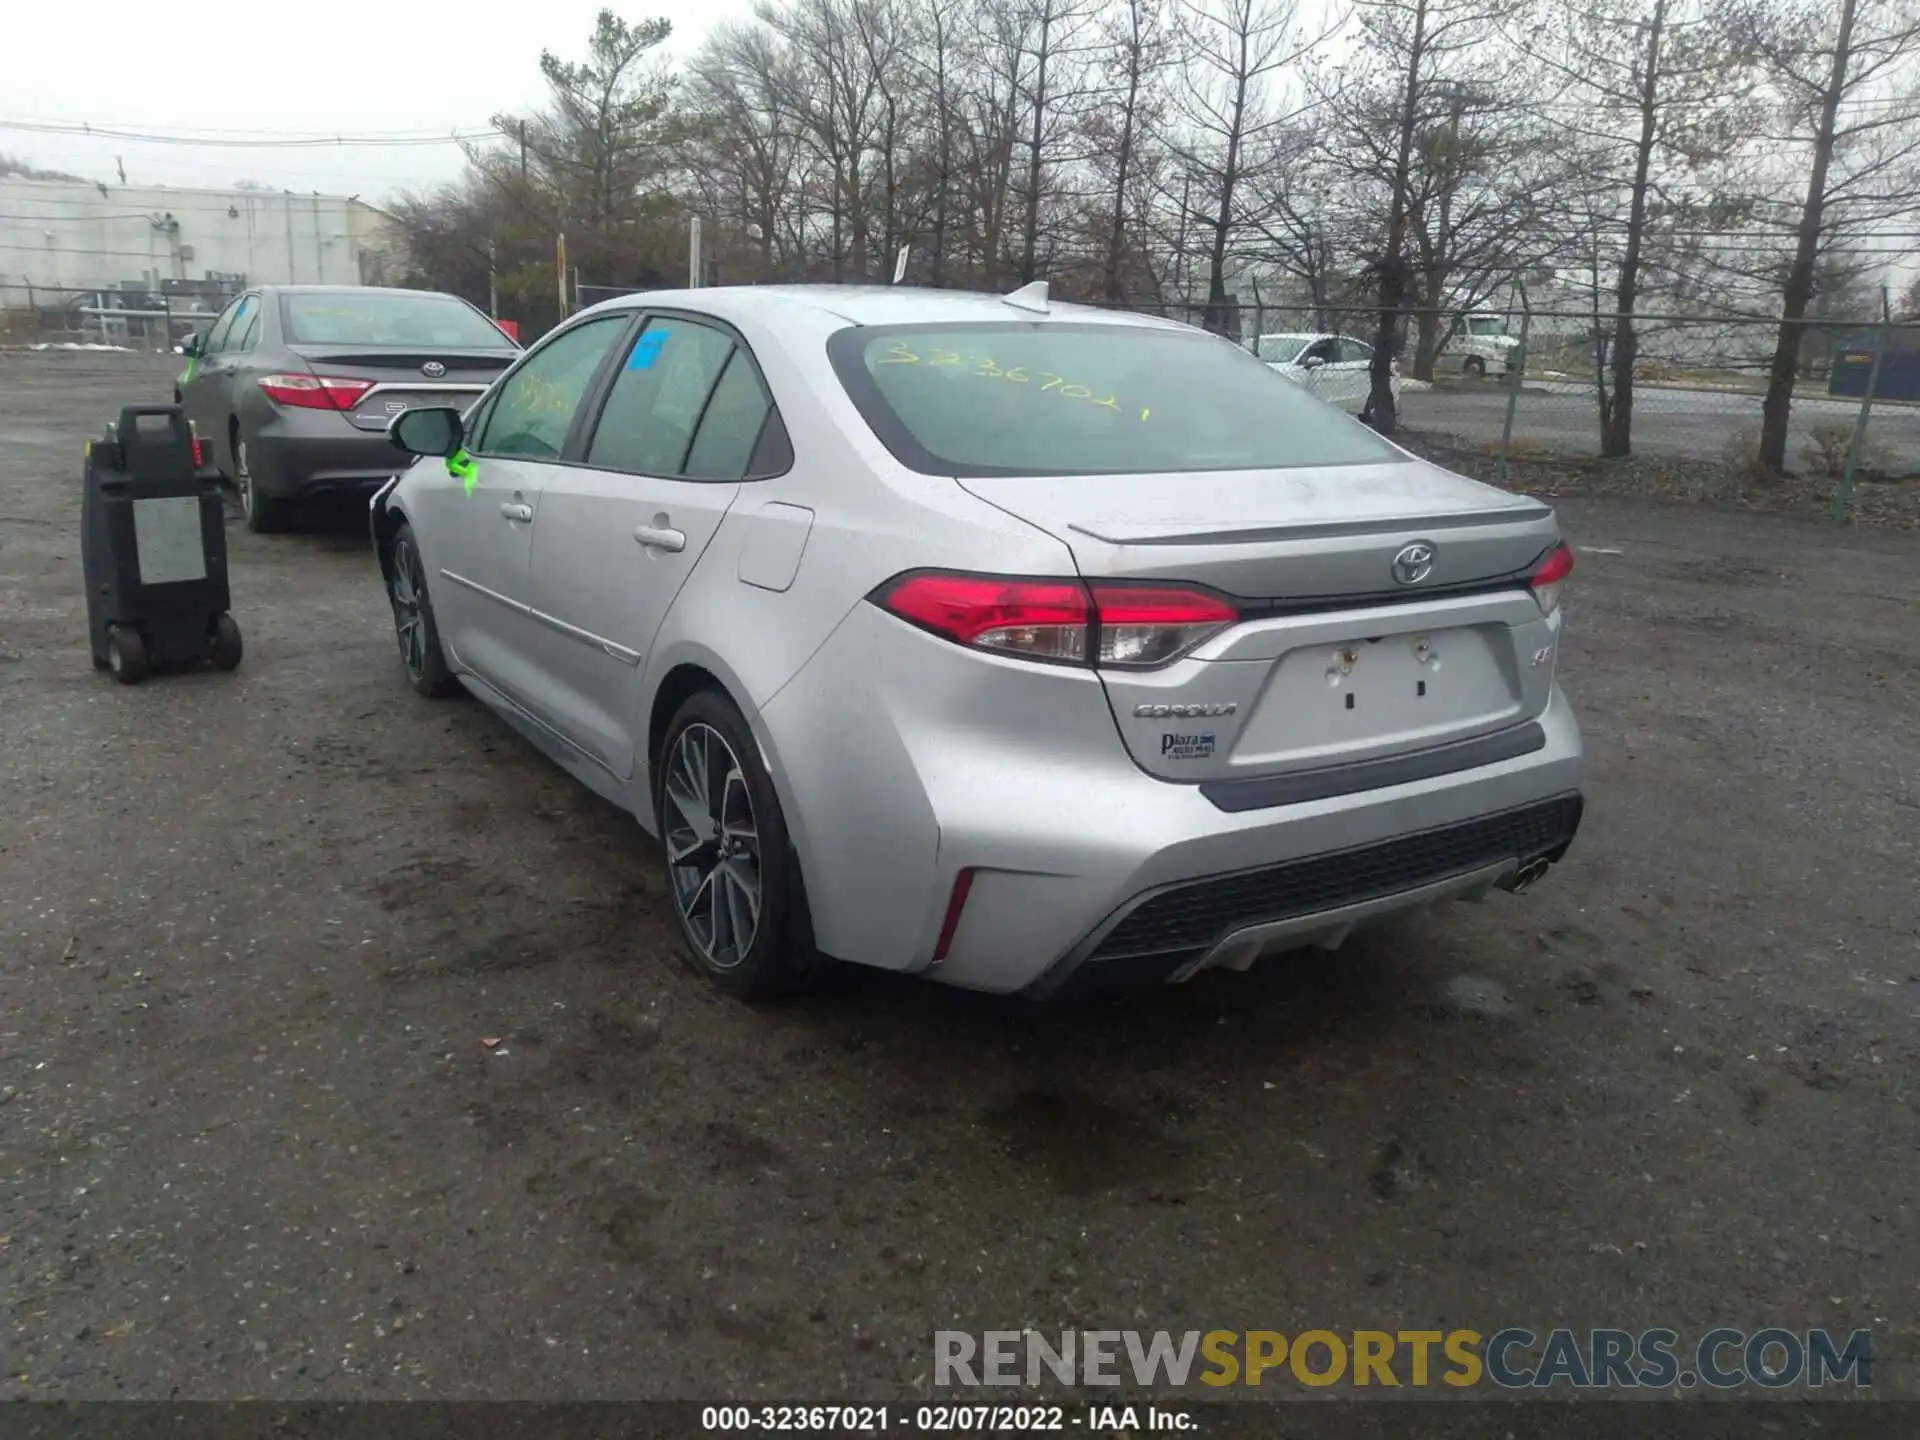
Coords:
pixel 409 620
pixel 242 477
pixel 713 846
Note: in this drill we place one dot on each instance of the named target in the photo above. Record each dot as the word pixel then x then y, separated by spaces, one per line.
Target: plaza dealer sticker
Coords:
pixel 1187 747
pixel 647 349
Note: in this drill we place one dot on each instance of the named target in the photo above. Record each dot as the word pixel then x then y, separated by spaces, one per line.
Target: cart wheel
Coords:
pixel 127 655
pixel 224 638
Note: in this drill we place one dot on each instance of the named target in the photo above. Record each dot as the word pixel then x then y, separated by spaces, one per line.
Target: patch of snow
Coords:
pixel 71 345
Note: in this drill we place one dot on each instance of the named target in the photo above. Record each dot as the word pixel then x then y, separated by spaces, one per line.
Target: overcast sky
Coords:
pixel 247 69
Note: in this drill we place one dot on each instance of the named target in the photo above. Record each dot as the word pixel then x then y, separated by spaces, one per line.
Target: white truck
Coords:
pixel 1479 344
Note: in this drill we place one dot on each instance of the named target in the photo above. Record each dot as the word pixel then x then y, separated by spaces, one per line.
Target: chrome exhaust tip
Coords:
pixel 1524 877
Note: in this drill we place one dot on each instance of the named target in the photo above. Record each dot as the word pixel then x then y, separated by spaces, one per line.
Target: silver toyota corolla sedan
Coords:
pixel 1018 645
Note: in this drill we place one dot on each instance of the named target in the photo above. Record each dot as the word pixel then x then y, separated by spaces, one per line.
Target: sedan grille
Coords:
pixel 1195 916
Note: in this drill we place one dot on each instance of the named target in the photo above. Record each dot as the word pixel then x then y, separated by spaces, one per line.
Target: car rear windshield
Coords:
pixel 1060 398
pixel 375 317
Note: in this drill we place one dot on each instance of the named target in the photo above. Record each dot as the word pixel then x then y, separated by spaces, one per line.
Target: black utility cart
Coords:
pixel 153 545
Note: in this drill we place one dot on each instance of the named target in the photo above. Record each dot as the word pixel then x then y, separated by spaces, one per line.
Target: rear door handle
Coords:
pixel 515 511
pixel 659 538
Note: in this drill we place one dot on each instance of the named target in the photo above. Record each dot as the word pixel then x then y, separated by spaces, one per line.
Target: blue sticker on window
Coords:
pixel 241 313
pixel 647 349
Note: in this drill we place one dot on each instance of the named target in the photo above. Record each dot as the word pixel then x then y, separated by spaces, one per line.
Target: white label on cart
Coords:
pixel 167 533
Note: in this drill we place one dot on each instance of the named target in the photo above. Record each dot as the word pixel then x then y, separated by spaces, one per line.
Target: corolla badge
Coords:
pixel 1414 563
pixel 1198 711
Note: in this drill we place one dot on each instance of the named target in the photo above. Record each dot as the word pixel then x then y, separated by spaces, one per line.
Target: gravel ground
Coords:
pixel 257 926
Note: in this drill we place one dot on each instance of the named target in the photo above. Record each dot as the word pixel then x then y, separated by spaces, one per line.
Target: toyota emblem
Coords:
pixel 433 369
pixel 1414 563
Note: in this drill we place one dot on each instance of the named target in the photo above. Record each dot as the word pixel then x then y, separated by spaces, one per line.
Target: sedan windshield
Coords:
pixel 386 317
pixel 1027 398
pixel 1284 349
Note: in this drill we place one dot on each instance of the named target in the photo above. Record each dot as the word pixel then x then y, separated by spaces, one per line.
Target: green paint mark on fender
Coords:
pixel 193 363
pixel 460 465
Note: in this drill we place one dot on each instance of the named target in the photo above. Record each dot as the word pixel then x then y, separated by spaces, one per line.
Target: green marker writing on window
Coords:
pixel 460 465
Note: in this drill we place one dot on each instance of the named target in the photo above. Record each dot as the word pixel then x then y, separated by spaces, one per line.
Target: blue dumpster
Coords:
pixel 1853 365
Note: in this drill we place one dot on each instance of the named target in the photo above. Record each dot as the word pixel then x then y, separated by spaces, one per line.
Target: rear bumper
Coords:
pixel 1229 921
pixel 902 765
pixel 302 456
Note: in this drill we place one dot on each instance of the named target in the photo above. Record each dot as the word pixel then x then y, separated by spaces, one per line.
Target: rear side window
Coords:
pixel 688 402
pixel 1058 398
pixel 646 426
pixel 730 430
pixel 1353 352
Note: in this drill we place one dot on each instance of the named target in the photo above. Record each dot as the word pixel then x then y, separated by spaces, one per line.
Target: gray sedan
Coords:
pixel 1017 645
pixel 293 386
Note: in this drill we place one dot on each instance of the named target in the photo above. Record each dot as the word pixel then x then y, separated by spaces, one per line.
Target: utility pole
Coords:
pixel 560 271
pixel 694 276
pixel 493 282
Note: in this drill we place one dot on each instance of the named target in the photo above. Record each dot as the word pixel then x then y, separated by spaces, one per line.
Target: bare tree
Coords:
pixel 744 140
pixel 1232 105
pixel 1849 105
pixel 1451 169
pixel 1658 91
pixel 1135 43
pixel 840 104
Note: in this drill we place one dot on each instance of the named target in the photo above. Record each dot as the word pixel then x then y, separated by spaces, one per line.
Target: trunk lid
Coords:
pixel 404 379
pixel 1335 660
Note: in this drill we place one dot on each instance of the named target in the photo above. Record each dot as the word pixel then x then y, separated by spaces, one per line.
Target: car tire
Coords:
pixel 127 655
pixel 713 795
pixel 265 514
pixel 414 626
pixel 1475 366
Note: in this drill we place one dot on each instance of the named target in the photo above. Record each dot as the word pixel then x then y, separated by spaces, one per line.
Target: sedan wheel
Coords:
pixel 713 847
pixel 413 623
pixel 265 513
pixel 736 883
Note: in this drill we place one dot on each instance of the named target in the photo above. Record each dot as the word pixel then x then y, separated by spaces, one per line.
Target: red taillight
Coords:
pixel 1035 619
pixel 962 884
pixel 1150 625
pixel 1060 621
pixel 1547 578
pixel 314 392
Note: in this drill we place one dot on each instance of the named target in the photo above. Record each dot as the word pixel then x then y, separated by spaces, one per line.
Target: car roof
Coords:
pixel 879 305
pixel 353 290
pixel 1299 335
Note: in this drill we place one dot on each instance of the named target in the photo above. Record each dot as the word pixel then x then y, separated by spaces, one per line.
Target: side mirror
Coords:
pixel 1313 362
pixel 190 347
pixel 435 430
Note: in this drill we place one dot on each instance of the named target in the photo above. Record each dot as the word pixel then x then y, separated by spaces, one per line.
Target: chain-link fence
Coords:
pixel 128 317
pixel 1525 387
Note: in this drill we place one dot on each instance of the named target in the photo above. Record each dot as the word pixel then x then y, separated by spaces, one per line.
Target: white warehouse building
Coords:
pixel 68 236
